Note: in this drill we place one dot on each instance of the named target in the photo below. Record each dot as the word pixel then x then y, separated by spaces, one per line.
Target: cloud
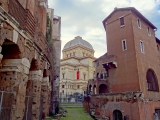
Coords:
pixel 147 5
pixel 158 1
pixel 84 18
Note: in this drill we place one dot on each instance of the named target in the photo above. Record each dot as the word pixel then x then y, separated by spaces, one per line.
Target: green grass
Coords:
pixel 71 104
pixel 75 113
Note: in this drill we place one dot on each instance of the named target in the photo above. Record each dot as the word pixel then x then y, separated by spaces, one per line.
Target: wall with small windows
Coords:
pixel 120 42
pixel 132 45
pixel 136 49
pixel 147 54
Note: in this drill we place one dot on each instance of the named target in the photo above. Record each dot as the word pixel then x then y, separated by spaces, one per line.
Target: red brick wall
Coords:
pixel 42 19
pixel 125 76
pixel 30 6
pixel 4 4
pixel 23 3
pixel 147 60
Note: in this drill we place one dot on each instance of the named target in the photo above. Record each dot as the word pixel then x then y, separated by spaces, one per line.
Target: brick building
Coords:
pixel 127 79
pixel 27 72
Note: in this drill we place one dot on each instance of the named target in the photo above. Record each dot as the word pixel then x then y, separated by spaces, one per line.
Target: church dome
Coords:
pixel 78 41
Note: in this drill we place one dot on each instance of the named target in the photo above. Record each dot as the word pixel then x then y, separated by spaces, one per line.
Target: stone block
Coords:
pixel 26 62
pixel 45 81
pixel 19 113
pixel 36 75
pixel 15 36
pixel 19 65
pixel 0 49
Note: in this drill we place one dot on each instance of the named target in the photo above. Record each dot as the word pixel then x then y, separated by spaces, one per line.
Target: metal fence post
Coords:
pixel 1 103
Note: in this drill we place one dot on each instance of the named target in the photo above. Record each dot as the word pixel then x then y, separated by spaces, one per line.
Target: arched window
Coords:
pixel 103 89
pixel 152 81
pixel 117 115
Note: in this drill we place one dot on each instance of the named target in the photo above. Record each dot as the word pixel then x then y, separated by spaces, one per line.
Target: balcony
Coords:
pixel 102 79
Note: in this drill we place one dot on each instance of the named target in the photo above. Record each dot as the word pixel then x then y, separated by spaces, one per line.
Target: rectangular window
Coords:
pixel 84 75
pixel 124 45
pixel 142 46
pixel 63 75
pixel 148 30
pixel 121 21
pixel 139 23
pixel 158 113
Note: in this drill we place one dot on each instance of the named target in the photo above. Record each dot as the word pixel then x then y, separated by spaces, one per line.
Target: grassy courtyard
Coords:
pixel 75 112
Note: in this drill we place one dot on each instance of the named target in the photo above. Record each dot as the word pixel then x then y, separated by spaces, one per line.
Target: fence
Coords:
pixel 41 109
pixel 6 99
pixel 28 111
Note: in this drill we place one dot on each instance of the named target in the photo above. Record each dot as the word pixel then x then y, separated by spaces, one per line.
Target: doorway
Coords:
pixel 117 115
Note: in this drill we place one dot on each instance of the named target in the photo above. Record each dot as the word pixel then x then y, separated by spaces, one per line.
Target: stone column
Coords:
pixel 14 76
pixel 46 93
pixel 36 76
pixel 1 56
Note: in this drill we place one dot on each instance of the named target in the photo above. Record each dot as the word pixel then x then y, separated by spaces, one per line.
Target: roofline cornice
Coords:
pixel 78 58
pixel 75 65
pixel 76 46
pixel 135 11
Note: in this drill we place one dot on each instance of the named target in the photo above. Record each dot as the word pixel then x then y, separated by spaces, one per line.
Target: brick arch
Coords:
pixel 117 115
pixel 152 81
pixel 13 52
pixel 89 88
pixel 28 53
pixel 34 65
pixel 103 88
pixel 45 73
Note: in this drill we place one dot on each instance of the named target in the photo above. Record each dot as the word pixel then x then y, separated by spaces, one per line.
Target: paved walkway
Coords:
pixel 75 112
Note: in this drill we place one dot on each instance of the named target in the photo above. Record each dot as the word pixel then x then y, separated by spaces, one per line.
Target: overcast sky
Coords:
pixel 84 18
